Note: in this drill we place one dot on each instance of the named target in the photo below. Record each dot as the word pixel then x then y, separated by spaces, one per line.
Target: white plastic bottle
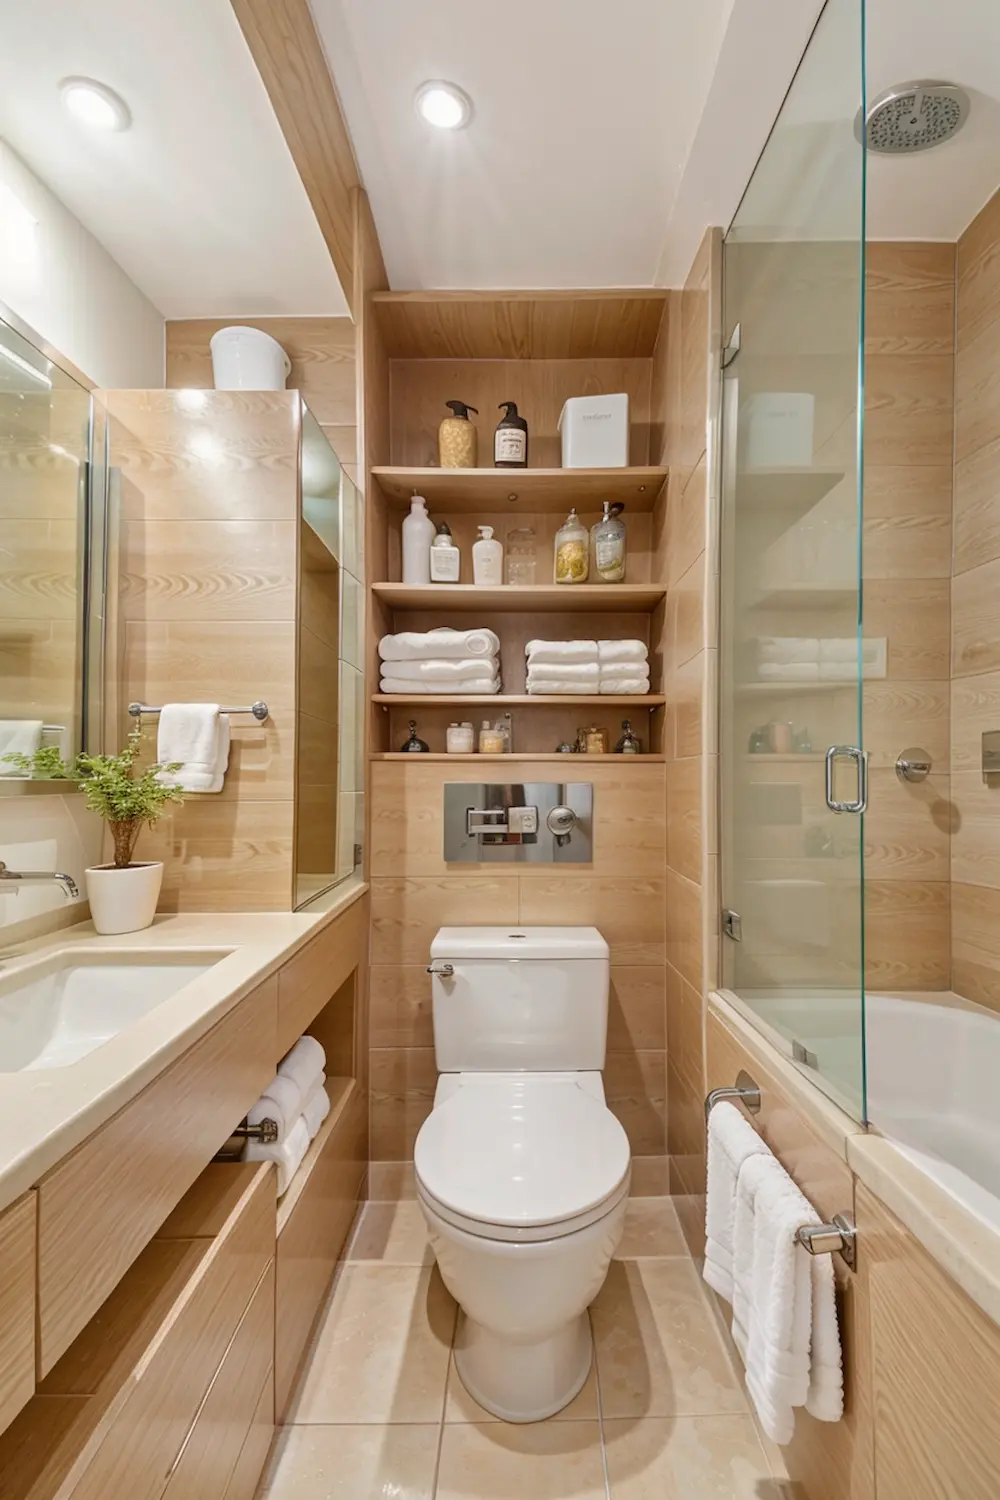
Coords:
pixel 487 560
pixel 418 533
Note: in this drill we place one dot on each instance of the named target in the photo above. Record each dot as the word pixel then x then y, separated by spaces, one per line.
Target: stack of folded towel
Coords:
pixel 784 1300
pixel 440 661
pixel 587 667
pixel 297 1100
pixel 787 658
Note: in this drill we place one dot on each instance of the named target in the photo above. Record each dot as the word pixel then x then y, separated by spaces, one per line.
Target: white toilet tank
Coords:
pixel 531 999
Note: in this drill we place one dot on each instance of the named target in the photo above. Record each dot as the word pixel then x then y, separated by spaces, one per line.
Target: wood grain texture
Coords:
pixel 256 1446
pixel 322 353
pixel 286 47
pixel 312 1233
pixel 314 975
pixel 131 1173
pixel 975 952
pixel 521 492
pixel 520 324
pixel 590 598
pixel 937 1433
pixel 909 298
pixel 907 944
pixel 17 1307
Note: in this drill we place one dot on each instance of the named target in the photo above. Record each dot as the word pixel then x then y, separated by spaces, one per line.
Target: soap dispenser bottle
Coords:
pixel 457 438
pixel 445 558
pixel 510 441
pixel 609 542
pixel 487 560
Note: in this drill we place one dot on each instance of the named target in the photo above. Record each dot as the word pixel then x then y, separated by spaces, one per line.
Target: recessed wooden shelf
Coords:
pixel 790 491
pixel 438 756
pixel 471 491
pixel 793 689
pixel 521 700
pixel 573 597
pixel 808 596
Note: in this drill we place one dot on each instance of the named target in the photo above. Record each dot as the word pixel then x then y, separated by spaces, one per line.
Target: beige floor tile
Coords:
pixel 391 1233
pixel 650 1176
pixel 688 1458
pixel 540 1461
pixel 390 1180
pixel 381 1351
pixel 461 1407
pixel 659 1353
pixel 651 1228
pixel 352 1463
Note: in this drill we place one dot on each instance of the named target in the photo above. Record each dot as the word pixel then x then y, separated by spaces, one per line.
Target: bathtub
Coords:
pixel 932 1065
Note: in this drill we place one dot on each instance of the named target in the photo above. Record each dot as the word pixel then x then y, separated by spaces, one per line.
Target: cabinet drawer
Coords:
pixel 253 1454
pixel 100 1207
pixel 213 1446
pixel 316 973
pixel 17 1307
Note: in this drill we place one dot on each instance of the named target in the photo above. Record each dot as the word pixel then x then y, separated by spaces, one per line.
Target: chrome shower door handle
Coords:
pixel 860 758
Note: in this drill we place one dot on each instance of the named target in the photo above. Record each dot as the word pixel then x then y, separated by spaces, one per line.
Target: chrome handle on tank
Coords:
pixel 446 971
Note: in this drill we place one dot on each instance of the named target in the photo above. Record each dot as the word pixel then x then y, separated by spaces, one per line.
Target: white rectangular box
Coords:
pixel 594 432
pixel 778 430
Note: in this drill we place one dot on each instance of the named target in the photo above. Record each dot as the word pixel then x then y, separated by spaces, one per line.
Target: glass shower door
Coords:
pixel 793 767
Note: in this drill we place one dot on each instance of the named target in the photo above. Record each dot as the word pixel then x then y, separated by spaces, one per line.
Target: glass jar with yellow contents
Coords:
pixel 572 551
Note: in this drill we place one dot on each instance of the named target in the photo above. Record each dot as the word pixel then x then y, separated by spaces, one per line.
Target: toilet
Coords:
pixel 522 1171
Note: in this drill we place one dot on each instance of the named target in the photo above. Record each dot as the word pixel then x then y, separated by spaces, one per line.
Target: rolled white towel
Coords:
pixel 287 1156
pixel 303 1064
pixel 633 687
pixel 439 668
pixel 788 671
pixel 561 685
pixel 838 671
pixel 315 1111
pixel 473 685
pixel 568 671
pixel 560 651
pixel 838 648
pixel 615 670
pixel 281 1102
pixel 788 648
pixel 612 651
pixel 419 645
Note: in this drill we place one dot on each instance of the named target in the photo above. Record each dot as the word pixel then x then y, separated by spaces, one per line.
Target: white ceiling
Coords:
pixel 199 201
pixel 585 113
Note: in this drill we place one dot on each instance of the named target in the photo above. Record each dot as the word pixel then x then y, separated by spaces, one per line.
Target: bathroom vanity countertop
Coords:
pixel 47 1113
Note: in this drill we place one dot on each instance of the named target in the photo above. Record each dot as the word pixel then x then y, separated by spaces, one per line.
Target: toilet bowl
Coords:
pixel 523 1181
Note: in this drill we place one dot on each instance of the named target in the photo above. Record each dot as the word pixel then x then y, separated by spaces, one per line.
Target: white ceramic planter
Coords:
pixel 124 900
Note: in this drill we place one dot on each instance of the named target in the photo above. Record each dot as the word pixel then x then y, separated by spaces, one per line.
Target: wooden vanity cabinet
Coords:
pixel 17 1307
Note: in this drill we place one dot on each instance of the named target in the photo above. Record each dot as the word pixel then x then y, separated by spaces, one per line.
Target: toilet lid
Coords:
pixel 521 1153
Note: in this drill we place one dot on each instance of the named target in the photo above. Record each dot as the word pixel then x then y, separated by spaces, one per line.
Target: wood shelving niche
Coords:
pixel 470 491
pixel 612 598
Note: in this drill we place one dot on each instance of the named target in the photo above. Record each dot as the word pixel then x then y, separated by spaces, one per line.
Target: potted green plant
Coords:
pixel 124 893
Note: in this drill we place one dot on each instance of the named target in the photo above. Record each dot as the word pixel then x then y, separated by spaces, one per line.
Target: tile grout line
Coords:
pixel 600 1409
pixel 444 1406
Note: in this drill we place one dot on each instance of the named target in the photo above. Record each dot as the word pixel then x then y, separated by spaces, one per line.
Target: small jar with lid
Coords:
pixel 459 739
pixel 596 741
pixel 491 740
pixel 572 551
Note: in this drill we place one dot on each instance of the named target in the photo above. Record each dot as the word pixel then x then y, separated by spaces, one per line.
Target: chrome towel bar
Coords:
pixel 258 709
pixel 840 1237
pixel 745 1090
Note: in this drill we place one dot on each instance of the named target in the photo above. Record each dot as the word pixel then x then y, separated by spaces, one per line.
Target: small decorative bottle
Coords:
pixel 608 538
pixel 629 744
pixel 572 563
pixel 414 745
pixel 445 558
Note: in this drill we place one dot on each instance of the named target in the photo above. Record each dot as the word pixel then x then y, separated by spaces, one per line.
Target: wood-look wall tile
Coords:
pixel 208 570
pixel 975 943
pixel 909 298
pixel 685 834
pixel 635 1088
pixel 401 1097
pixel 687 501
pixel 685 1029
pixel 400 1008
pixel 913 615
pixel 975 708
pixel 224 855
pixel 39 577
pixel 688 693
pixel 978 238
pixel 907 935
pixel 685 1125
pixel 977 391
pixel 975 844
pixel 908 828
pixel 406 913
pixel 683 928
pixel 636 1018
pixel 977 508
pixel 907 521
pixel 898 714
pixel 686 615
pixel 978 293
pixel 628 912
pixel 909 408
pixel 975 639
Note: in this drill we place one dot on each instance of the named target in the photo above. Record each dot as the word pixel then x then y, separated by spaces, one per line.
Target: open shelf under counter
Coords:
pixel 550 756
pixel 521 700
pixel 521 491
pixel 572 597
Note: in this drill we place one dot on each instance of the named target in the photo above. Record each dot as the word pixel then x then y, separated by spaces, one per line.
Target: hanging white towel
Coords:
pixel 18 737
pixel 731 1139
pixel 287 1156
pixel 281 1102
pixel 776 1322
pixel 419 645
pixel 304 1064
pixel 465 685
pixel 196 735
pixel 440 669
pixel 560 651
pixel 613 651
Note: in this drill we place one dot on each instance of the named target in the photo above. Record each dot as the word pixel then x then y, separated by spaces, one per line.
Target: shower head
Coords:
pixel 913 117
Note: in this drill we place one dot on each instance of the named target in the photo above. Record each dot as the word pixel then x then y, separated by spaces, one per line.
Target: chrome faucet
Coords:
pixel 69 885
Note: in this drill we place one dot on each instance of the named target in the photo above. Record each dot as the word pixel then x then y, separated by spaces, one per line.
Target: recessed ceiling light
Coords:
pixel 444 105
pixel 94 104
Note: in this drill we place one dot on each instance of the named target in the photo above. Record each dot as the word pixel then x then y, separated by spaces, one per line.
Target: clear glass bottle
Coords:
pixel 415 745
pixel 522 561
pixel 572 551
pixel 597 741
pixel 630 743
pixel 608 540
pixel 490 740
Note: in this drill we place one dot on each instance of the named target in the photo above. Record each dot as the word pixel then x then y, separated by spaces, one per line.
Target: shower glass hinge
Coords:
pixel 732 924
pixel 731 350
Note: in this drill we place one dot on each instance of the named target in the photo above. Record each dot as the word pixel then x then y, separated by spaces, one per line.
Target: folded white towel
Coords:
pixel 561 651
pixel 18 737
pixel 472 685
pixel 287 1156
pixel 419 645
pixel 561 685
pixel 315 1111
pixel 784 1315
pixel 615 651
pixel 281 1102
pixel 303 1064
pixel 788 671
pixel 839 648
pixel 440 669
pixel 573 671
pixel 838 671
pixel 197 735
pixel 614 669
pixel 731 1139
pixel 787 648
pixel 630 686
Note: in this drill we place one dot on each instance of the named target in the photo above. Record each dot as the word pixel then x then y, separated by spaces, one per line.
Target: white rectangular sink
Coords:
pixel 54 1012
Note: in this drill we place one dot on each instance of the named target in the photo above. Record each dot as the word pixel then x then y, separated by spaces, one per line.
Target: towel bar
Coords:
pixel 745 1090
pixel 258 709
pixel 839 1237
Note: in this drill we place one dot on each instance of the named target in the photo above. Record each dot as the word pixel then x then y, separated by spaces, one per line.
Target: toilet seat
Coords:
pixel 519 1157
